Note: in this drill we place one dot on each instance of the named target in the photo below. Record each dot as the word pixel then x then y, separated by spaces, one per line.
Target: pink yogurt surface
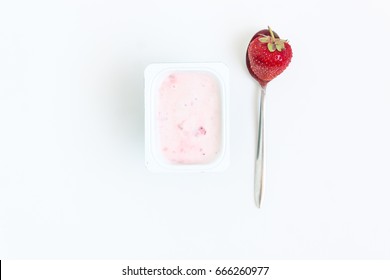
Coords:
pixel 189 117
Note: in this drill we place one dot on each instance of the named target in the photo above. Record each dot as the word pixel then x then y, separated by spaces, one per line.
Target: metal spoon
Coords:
pixel 265 72
pixel 259 163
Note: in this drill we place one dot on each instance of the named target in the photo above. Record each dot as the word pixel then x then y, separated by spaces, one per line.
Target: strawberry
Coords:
pixel 267 56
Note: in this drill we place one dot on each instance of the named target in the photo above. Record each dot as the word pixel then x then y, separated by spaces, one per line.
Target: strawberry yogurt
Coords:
pixel 189 117
pixel 186 120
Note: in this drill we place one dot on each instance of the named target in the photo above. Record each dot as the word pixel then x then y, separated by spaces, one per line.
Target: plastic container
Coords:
pixel 186 117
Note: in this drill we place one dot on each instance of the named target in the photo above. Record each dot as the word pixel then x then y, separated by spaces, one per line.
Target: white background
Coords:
pixel 72 177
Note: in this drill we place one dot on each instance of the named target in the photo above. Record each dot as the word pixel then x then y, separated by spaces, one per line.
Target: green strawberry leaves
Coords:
pixel 271 47
pixel 273 43
pixel 264 39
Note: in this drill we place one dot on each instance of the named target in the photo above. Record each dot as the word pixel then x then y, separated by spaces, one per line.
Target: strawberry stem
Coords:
pixel 272 33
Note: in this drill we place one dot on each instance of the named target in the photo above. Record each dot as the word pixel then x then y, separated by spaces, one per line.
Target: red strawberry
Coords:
pixel 267 56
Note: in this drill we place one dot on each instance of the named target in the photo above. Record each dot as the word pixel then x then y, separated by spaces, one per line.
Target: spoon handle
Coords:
pixel 259 164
